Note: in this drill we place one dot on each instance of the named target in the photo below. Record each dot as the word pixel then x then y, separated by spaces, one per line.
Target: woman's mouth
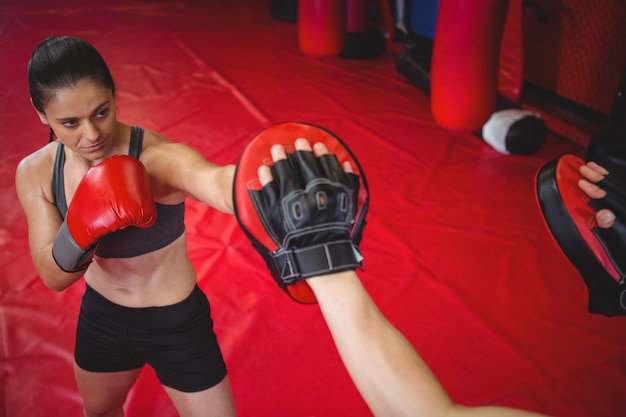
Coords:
pixel 95 147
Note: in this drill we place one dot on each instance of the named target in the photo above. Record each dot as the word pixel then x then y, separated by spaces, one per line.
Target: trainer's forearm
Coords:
pixel 388 372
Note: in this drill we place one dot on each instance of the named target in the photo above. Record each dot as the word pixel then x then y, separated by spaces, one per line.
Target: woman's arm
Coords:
pixel 43 219
pixel 181 168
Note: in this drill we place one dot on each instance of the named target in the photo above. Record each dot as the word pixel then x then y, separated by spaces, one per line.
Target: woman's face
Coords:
pixel 83 118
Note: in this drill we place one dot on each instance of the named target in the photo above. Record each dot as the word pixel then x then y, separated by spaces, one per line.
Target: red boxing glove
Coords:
pixel 112 195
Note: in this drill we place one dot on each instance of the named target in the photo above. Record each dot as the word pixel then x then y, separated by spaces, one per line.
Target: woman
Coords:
pixel 142 303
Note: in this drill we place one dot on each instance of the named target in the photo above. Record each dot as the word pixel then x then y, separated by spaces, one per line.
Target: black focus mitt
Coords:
pixel 599 254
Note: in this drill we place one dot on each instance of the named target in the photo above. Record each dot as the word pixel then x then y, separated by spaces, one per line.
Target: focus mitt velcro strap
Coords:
pixel 317 260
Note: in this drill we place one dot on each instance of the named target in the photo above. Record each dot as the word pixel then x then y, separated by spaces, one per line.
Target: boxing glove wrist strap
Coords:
pixel 68 255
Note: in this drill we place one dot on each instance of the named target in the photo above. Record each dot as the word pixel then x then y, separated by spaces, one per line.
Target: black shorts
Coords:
pixel 177 341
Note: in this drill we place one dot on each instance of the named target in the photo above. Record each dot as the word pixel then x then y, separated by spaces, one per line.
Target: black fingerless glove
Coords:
pixel 309 211
pixel 614 237
pixel 309 220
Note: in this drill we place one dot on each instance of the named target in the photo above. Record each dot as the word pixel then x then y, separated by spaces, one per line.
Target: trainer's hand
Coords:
pixel 593 173
pixel 278 153
pixel 308 204
pixel 301 205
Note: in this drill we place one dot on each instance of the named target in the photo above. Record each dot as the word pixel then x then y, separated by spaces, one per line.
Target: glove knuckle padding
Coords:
pixel 321 202
pixel 305 166
pixel 286 177
pixel 312 212
pixel 598 254
pixel 332 169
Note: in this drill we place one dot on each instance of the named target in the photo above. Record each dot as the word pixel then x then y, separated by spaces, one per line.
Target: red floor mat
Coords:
pixel 455 251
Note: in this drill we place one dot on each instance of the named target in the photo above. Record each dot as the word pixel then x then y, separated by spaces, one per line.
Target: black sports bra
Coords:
pixel 131 241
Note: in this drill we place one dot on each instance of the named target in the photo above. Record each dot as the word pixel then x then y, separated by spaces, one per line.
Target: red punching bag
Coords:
pixel 464 68
pixel 321 26
pixel 358 15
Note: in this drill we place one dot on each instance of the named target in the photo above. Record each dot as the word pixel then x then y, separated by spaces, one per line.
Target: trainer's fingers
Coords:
pixel 592 190
pixel 265 175
pixel 598 168
pixel 605 218
pixel 320 149
pixel 592 173
pixel 302 145
pixel 278 152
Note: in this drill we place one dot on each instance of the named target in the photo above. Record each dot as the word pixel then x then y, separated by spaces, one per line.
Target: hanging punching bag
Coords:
pixel 464 69
pixel 363 40
pixel 358 15
pixel 321 27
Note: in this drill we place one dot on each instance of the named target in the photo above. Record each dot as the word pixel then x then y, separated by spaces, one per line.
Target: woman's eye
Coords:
pixel 69 123
pixel 102 113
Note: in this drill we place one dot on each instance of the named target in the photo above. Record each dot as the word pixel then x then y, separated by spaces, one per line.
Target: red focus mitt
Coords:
pixel 309 220
pixel 598 254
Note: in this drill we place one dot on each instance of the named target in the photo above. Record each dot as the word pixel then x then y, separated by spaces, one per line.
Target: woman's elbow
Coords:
pixel 57 281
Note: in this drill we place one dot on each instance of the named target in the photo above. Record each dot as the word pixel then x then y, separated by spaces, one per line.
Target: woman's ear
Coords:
pixel 41 115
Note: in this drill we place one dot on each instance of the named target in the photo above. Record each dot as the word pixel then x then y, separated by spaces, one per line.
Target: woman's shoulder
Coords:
pixel 39 161
pixel 152 138
pixel 157 147
pixel 33 175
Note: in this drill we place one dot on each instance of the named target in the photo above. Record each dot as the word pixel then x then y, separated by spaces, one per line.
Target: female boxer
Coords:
pixel 94 211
